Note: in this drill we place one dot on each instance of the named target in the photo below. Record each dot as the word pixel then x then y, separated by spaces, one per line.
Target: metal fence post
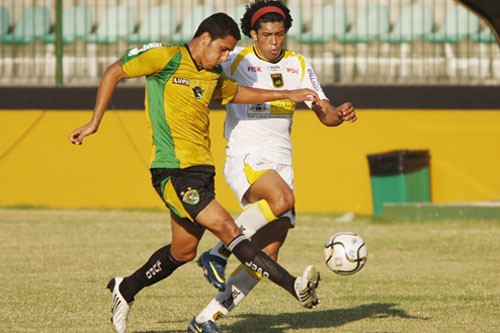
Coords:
pixel 59 44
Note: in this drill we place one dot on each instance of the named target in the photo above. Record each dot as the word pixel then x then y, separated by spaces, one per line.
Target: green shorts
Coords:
pixel 186 192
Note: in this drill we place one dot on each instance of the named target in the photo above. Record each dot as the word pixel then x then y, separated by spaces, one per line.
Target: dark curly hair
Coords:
pixel 252 7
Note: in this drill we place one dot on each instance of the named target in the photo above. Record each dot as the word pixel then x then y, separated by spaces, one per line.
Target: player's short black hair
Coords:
pixel 252 7
pixel 219 25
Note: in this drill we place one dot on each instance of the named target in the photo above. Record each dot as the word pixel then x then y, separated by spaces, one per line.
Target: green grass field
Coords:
pixel 420 277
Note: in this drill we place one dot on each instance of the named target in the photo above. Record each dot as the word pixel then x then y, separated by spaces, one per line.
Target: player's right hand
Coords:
pixel 303 95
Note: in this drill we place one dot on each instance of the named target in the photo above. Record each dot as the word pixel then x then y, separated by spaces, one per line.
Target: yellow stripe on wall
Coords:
pixel 38 165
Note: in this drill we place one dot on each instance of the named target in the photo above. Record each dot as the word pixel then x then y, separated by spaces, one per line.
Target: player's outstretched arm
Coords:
pixel 113 74
pixel 249 95
pixel 334 116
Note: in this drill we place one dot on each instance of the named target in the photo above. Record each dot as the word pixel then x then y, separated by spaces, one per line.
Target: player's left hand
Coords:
pixel 346 112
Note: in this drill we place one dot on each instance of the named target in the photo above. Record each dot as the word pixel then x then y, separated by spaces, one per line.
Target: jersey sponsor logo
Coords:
pixel 136 50
pixel 276 109
pixel 218 315
pixel 277 80
pixel 198 92
pixel 179 80
pixel 292 70
pixel 153 270
pixel 254 69
pixel 228 303
pixel 255 268
pixel 258 108
pixel 273 68
pixel 313 79
pixel 191 196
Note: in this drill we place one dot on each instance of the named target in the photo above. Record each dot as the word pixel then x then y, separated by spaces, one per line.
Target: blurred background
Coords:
pixel 348 41
pixel 424 76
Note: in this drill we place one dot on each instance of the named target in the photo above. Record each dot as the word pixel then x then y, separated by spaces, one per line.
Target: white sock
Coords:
pixel 239 284
pixel 252 219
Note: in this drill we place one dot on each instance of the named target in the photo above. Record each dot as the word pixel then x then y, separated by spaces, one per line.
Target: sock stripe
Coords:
pixel 235 242
pixel 266 210
pixel 175 262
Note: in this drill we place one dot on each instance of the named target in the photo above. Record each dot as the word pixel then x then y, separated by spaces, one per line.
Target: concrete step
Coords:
pixel 481 210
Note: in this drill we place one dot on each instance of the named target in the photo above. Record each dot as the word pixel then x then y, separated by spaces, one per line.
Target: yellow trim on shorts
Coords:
pixel 173 201
pixel 253 175
pixel 253 274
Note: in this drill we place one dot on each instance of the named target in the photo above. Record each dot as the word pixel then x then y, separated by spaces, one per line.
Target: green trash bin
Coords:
pixel 399 176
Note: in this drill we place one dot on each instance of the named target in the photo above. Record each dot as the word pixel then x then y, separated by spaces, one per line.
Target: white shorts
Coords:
pixel 241 171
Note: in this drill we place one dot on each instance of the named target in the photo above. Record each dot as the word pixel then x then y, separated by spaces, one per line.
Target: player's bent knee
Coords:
pixel 183 255
pixel 282 203
pixel 226 230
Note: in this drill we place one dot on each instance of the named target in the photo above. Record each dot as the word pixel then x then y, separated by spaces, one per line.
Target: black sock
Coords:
pixel 159 266
pixel 254 258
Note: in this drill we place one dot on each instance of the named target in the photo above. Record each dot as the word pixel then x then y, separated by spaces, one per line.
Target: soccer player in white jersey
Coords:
pixel 259 153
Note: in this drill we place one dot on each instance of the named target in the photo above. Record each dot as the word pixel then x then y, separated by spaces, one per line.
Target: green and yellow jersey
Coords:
pixel 176 101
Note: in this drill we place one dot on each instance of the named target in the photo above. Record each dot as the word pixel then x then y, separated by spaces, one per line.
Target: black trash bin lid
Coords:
pixel 398 162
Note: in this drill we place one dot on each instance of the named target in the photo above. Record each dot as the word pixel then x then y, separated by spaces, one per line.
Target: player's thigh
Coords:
pixel 217 220
pixel 186 192
pixel 271 237
pixel 267 186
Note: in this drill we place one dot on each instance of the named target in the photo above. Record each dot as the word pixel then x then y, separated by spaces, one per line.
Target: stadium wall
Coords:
pixel 39 167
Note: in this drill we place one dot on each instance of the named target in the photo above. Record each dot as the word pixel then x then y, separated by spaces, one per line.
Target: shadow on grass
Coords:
pixel 278 323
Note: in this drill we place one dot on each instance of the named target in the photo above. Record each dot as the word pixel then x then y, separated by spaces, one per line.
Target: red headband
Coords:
pixel 264 10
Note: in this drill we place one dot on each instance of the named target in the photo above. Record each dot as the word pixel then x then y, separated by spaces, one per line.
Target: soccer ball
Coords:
pixel 345 253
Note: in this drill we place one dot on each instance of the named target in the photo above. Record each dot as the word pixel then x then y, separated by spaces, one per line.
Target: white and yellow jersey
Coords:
pixel 265 128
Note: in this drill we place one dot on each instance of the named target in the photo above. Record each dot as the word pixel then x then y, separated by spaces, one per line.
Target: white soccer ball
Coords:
pixel 345 253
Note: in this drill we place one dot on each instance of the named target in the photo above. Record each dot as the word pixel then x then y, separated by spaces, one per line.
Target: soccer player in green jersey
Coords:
pixel 180 82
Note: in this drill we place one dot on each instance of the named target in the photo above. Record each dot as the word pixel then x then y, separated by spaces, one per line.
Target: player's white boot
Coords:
pixel 305 288
pixel 121 307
